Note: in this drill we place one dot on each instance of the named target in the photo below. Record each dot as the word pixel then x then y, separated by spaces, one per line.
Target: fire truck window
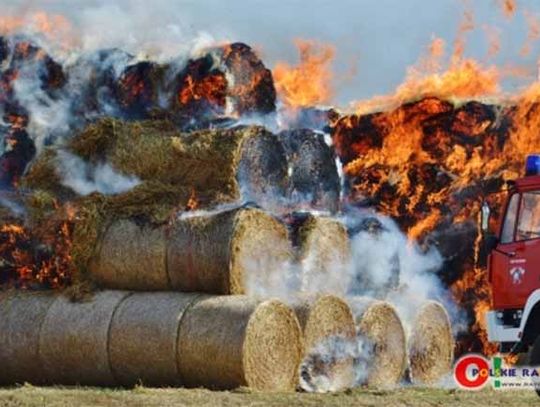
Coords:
pixel 507 235
pixel 529 217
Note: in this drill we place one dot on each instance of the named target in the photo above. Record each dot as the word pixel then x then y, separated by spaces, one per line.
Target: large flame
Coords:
pixel 310 82
pixel 429 163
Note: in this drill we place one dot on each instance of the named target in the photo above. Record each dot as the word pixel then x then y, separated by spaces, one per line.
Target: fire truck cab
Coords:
pixel 514 267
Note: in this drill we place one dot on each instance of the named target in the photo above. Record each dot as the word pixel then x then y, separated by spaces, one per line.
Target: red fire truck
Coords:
pixel 514 267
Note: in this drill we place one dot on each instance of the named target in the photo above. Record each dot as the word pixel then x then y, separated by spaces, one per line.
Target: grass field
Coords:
pixel 57 396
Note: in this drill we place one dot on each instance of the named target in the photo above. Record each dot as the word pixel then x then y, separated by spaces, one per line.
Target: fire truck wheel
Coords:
pixel 534 358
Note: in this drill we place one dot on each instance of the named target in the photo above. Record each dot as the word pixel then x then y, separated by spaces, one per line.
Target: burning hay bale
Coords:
pixel 228 80
pixel 241 163
pixel 160 338
pixel 219 253
pixel 414 159
pixel 314 177
pixel 382 359
pixel 329 335
pixel 230 341
pixel 138 89
pixel 431 345
pixel 96 75
pixel 251 86
pixel 21 317
pixel 322 249
pixel 30 76
pixel 143 338
pixel 74 340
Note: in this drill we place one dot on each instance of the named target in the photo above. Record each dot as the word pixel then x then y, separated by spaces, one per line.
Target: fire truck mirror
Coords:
pixel 486 212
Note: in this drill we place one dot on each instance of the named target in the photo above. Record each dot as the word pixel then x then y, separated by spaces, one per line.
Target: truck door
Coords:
pixel 516 263
pixel 524 276
pixel 502 255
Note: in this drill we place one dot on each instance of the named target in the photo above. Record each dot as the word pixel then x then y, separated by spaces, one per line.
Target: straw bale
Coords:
pixel 131 257
pixel 143 338
pixel 322 249
pixel 244 162
pixel 329 336
pixel 314 175
pixel 230 341
pixel 225 252
pixel 381 331
pixel 74 340
pixel 21 317
pixel 431 345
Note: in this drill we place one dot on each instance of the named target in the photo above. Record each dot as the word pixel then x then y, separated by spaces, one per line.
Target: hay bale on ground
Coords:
pixel 431 345
pixel 74 340
pixel 21 318
pixel 329 336
pixel 230 341
pixel 143 338
pixel 382 358
pixel 158 338
pixel 322 250
pixel 228 252
pixel 314 176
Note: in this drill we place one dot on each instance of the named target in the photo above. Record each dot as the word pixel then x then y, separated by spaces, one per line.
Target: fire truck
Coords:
pixel 514 267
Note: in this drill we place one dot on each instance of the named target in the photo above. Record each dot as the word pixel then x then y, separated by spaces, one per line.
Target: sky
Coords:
pixel 375 40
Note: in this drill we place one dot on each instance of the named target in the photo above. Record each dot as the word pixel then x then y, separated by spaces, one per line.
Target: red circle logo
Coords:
pixel 472 372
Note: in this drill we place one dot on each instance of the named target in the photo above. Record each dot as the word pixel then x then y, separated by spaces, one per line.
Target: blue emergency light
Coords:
pixel 532 166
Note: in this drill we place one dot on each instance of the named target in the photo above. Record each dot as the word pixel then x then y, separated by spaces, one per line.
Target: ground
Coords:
pixel 140 396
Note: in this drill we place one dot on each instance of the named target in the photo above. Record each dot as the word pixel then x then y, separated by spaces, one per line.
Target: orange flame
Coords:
pixel 308 83
pixel 211 88
pixel 463 79
pixel 54 27
pixel 192 202
pixel 25 267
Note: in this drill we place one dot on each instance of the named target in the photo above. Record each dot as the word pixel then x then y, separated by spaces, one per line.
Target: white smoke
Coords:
pixel 85 178
pixel 268 277
pixel 47 116
pixel 316 373
pixel 388 265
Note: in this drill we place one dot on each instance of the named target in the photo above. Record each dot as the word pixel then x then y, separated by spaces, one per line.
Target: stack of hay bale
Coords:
pixel 181 274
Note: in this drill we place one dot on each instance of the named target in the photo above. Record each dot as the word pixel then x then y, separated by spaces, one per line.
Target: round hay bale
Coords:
pixel 230 252
pixel 246 163
pixel 74 340
pixel 329 340
pixel 21 317
pixel 431 345
pixel 230 341
pixel 143 338
pixel 131 256
pixel 322 250
pixel 314 176
pixel 250 84
pixel 382 357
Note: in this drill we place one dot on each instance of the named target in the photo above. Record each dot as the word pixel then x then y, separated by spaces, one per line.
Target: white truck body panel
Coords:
pixel 501 333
